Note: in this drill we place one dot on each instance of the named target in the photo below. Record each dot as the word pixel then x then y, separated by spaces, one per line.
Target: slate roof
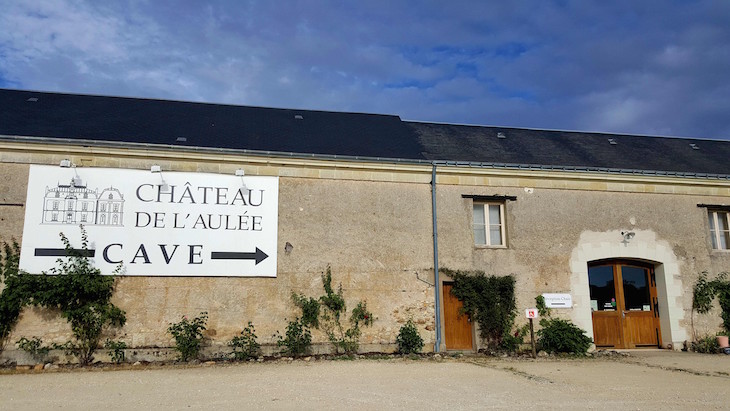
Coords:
pixel 132 120
pixel 385 137
pixel 573 150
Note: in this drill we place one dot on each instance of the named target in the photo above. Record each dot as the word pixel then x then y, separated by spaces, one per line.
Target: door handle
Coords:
pixel 623 314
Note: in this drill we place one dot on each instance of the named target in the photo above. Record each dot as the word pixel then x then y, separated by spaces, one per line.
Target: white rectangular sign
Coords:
pixel 558 300
pixel 153 224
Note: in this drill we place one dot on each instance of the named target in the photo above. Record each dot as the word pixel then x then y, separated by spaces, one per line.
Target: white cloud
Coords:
pixel 645 67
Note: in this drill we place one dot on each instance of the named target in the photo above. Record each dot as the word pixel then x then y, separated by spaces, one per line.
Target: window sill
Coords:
pixel 489 247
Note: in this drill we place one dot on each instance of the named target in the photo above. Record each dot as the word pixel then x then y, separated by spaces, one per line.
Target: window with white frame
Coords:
pixel 719 229
pixel 489 224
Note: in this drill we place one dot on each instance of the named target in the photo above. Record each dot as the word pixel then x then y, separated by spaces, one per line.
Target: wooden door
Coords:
pixel 457 327
pixel 607 327
pixel 624 305
pixel 639 311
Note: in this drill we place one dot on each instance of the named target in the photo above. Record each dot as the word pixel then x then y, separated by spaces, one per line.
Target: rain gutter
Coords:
pixel 437 306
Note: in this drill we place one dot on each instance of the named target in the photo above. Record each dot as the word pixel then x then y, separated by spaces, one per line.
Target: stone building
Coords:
pixel 616 228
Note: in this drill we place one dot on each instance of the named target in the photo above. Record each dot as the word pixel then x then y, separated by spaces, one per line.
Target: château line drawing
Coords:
pixel 78 204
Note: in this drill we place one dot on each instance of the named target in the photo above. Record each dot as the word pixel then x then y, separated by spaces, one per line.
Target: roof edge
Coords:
pixel 601 133
pixel 209 150
pixel 333 157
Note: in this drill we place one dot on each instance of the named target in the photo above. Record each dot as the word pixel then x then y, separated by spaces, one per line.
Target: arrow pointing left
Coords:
pixel 62 252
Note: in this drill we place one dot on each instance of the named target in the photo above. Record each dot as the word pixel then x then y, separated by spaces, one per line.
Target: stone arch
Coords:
pixel 644 246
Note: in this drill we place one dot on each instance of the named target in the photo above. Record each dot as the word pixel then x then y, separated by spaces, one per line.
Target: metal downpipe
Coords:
pixel 437 307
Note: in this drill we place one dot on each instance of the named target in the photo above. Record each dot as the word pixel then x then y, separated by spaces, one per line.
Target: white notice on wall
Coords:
pixel 558 300
pixel 153 224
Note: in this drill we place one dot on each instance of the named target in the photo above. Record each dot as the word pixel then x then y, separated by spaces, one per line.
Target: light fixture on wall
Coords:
pixel 240 173
pixel 628 235
pixel 76 181
pixel 163 184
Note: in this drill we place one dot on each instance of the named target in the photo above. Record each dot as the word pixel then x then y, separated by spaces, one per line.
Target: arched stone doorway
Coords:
pixel 644 247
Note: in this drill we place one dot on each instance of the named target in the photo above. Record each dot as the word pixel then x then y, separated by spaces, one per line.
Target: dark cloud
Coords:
pixel 650 67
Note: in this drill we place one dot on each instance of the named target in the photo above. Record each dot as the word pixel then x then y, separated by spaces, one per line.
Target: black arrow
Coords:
pixel 259 256
pixel 62 252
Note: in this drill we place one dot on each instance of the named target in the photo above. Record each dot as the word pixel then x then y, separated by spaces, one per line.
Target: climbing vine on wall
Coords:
pixel 11 300
pixel 327 311
pixel 705 291
pixel 76 289
pixel 490 300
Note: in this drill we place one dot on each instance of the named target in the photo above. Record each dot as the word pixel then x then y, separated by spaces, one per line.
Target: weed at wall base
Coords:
pixel 34 347
pixel 298 339
pixel 245 346
pixel 188 335
pixel 409 340
pixel 116 350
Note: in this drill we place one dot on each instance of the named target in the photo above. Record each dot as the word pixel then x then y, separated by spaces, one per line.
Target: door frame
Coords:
pixel 621 312
pixel 472 329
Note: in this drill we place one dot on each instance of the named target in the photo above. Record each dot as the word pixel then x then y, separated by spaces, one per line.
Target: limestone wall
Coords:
pixel 371 222
pixel 376 237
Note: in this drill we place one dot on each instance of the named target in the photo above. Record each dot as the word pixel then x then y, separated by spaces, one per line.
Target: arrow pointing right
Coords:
pixel 257 256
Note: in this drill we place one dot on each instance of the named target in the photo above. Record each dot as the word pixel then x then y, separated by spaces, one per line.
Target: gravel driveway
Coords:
pixel 649 381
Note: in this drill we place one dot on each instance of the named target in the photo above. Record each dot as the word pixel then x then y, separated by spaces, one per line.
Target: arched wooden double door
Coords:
pixel 624 304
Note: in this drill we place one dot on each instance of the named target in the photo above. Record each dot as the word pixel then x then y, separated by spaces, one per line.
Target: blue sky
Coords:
pixel 646 67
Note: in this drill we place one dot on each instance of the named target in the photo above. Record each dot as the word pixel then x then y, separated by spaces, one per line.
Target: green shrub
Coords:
pixel 245 345
pixel 34 347
pixel 557 335
pixel 116 350
pixel 87 324
pixel 706 345
pixel 298 339
pixel 512 342
pixel 408 339
pixel 188 335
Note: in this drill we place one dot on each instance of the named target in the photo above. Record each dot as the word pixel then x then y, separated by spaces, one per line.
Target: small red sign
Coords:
pixel 531 313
